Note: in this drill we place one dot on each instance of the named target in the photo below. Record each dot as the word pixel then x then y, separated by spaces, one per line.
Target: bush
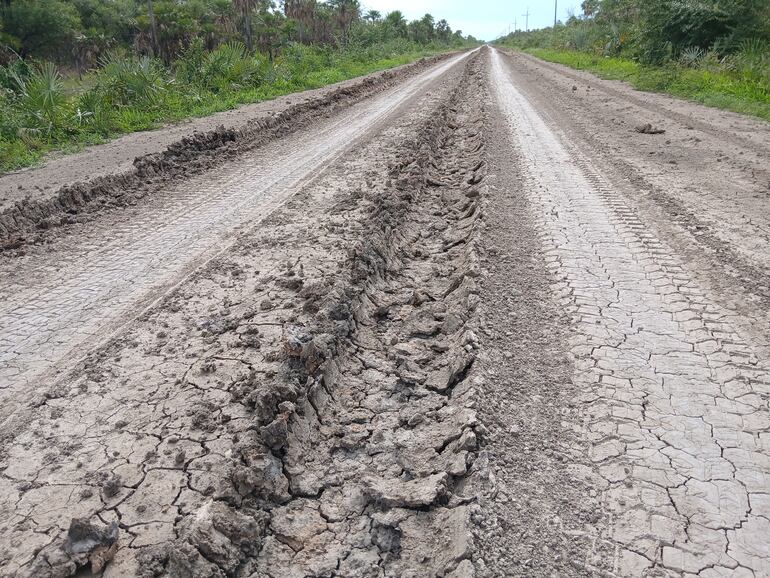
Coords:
pixel 129 80
pixel 131 93
pixel 230 67
pixel 43 28
pixel 40 101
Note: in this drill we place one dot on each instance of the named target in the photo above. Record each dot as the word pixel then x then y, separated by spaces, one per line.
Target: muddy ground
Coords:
pixel 458 320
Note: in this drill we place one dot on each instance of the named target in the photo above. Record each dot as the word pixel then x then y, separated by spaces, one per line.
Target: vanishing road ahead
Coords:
pixel 460 319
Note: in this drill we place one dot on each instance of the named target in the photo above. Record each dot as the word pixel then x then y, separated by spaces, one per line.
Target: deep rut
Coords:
pixel 53 311
pixel 301 407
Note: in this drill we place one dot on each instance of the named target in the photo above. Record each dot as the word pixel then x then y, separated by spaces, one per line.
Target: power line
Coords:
pixel 526 26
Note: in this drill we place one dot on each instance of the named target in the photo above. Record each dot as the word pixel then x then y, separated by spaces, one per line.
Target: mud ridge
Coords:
pixel 362 464
pixel 331 429
pixel 27 221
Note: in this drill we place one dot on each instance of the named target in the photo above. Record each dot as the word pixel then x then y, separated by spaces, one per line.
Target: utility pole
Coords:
pixel 515 24
pixel 555 10
pixel 526 16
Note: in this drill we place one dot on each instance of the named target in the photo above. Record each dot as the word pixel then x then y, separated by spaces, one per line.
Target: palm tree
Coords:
pixel 304 13
pixel 373 16
pixel 244 8
pixel 396 23
pixel 345 13
pixel 153 28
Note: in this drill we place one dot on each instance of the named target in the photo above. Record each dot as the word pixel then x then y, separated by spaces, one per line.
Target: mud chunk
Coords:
pixel 316 352
pixel 339 503
pixel 452 323
pixel 647 128
pixel 111 486
pixel 260 473
pixel 297 523
pixel 223 535
pixel 410 373
pixel 203 417
pixel 363 563
pixel 439 539
pixel 387 539
pixel 208 367
pixel 266 305
pixel 292 283
pixel 175 560
pixel 263 398
pixel 294 340
pixel 419 297
pixel 87 543
pixel 412 494
pixel 276 433
pixel 449 376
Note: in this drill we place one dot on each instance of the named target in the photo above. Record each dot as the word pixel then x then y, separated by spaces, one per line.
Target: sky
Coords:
pixel 485 19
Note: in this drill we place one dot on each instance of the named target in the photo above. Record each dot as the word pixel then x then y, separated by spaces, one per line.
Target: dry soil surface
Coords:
pixel 457 320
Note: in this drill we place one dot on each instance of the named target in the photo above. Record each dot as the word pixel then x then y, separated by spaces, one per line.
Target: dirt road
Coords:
pixel 465 320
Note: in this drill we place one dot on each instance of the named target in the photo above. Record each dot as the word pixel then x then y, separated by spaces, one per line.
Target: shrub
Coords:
pixel 691 57
pixel 128 80
pixel 41 102
pixel 230 67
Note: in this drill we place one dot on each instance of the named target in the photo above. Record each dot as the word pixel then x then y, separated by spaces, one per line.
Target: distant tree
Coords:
pixel 422 31
pixel 395 25
pixel 345 12
pixel 443 31
pixel 590 7
pixel 373 16
pixel 154 36
pixel 43 28
pixel 244 9
pixel 272 28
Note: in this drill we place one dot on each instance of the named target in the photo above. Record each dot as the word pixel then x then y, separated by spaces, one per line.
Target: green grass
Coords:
pixel 738 91
pixel 20 148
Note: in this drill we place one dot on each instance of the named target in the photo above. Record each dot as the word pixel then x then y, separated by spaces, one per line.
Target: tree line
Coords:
pixel 74 72
pixel 659 31
pixel 79 32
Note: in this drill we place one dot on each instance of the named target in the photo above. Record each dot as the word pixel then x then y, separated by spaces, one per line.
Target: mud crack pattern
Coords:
pixel 458 350
pixel 675 401
pixel 300 406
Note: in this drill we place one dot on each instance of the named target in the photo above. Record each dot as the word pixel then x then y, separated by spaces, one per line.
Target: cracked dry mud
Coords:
pixel 459 322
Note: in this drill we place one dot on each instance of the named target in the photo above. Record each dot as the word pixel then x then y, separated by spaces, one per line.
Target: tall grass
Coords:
pixel 738 82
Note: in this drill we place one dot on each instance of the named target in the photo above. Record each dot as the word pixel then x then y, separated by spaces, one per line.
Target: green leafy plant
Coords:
pixel 41 100
pixel 691 57
pixel 228 67
pixel 128 80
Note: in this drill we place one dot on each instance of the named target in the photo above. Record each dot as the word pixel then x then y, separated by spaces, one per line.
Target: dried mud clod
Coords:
pixel 647 128
pixel 345 443
pixel 87 544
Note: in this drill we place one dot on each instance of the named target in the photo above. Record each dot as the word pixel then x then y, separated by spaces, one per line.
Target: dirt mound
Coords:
pixel 27 221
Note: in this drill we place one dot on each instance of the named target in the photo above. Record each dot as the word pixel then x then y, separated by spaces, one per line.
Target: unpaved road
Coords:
pixel 464 321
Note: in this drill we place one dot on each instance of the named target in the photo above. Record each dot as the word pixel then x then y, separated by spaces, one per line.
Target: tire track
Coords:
pixel 300 406
pixel 49 308
pixel 675 403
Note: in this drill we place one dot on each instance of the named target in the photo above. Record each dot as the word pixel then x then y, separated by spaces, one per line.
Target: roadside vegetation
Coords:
pixel 76 72
pixel 716 52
